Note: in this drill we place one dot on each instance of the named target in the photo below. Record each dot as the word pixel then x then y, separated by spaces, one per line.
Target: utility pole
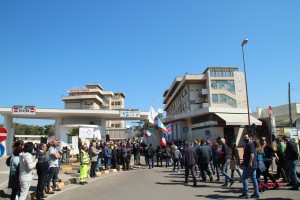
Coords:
pixel 290 109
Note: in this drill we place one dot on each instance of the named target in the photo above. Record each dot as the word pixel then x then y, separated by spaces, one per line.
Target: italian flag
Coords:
pixel 148 133
pixel 163 142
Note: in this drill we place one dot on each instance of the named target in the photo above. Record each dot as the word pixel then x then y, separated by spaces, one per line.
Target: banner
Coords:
pixel 86 133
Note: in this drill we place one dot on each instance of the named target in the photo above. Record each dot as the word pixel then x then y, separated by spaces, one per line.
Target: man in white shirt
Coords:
pixel 54 155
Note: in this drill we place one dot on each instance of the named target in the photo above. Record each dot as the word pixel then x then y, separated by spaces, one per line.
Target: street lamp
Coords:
pixel 243 43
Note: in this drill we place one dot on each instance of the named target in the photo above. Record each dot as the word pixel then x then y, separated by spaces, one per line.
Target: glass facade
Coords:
pixel 222 98
pixel 223 85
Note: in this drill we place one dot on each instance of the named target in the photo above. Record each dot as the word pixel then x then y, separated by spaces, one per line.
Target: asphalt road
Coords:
pixel 157 183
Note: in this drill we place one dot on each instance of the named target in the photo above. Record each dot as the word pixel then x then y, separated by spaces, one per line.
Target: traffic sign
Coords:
pixel 2 150
pixel 3 134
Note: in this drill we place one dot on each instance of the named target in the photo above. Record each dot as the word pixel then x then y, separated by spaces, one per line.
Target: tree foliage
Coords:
pixel 74 131
pixel 24 129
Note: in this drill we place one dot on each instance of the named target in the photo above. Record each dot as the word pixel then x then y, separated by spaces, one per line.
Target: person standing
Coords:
pixel 190 161
pixel 14 171
pixel 84 164
pixel 158 154
pixel 291 156
pixel 26 167
pixel 94 152
pixel 54 157
pixel 107 155
pixel 249 165
pixel 99 147
pixel 176 155
pixel 151 153
pixel 42 167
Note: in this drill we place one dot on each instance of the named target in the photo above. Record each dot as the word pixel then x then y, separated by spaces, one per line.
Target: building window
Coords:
pixel 116 103
pixel 222 98
pixel 223 85
pixel 215 98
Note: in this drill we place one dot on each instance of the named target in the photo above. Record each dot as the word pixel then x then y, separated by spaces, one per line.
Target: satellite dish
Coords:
pixel 160 111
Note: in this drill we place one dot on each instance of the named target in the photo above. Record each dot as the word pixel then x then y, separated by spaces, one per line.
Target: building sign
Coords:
pixel 134 113
pixel 23 110
pixel 202 124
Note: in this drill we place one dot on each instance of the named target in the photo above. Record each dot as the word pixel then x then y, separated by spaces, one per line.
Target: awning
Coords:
pixel 238 119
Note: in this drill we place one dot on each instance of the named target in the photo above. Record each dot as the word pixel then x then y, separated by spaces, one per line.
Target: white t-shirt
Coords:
pixel 53 162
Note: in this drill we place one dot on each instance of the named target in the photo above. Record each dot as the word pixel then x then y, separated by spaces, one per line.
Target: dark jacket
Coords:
pixel 291 152
pixel 204 154
pixel 151 151
pixel 190 156
pixel 225 150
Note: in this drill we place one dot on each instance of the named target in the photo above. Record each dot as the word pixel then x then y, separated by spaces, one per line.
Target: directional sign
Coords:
pixel 2 150
pixel 3 134
pixel 131 114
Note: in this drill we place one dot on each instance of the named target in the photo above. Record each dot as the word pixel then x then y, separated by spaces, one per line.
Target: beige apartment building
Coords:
pixel 93 97
pixel 208 105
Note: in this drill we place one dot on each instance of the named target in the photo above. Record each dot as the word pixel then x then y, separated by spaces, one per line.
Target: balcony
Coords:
pixel 203 92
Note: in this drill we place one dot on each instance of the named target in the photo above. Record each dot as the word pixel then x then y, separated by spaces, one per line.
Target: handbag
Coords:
pixel 262 166
pixel 233 164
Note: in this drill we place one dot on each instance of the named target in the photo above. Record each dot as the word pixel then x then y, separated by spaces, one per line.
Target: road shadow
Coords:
pixel 217 196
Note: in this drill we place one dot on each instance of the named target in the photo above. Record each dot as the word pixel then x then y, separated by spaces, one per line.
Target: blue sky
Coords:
pixel 140 46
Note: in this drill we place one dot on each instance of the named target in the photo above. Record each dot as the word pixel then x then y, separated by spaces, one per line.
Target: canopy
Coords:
pixel 238 119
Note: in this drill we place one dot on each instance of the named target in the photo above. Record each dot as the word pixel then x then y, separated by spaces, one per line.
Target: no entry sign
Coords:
pixel 3 134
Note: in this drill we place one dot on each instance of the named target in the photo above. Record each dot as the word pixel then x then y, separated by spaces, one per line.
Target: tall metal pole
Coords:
pixel 290 108
pixel 243 43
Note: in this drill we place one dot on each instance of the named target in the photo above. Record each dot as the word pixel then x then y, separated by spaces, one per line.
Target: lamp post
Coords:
pixel 243 43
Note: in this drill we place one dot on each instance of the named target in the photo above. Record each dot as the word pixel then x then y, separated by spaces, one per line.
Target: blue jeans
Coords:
pixel 167 161
pixel 98 167
pixel 107 162
pixel 291 167
pixel 238 171
pixel 224 171
pixel 249 172
pixel 150 161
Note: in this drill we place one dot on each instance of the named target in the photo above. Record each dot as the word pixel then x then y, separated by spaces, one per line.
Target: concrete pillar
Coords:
pixel 57 134
pixel 8 124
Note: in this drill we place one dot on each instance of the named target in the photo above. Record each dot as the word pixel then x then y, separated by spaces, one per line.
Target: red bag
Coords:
pixel 221 157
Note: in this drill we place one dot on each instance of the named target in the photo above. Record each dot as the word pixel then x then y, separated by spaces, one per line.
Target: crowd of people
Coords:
pixel 211 160
pixel 22 163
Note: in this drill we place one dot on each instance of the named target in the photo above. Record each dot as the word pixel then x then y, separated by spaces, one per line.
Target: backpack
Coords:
pixel 221 157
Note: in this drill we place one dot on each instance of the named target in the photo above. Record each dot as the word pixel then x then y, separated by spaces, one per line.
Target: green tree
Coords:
pixel 74 131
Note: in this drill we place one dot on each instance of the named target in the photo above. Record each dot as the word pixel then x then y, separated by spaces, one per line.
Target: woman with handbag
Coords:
pixel 261 165
pixel 235 161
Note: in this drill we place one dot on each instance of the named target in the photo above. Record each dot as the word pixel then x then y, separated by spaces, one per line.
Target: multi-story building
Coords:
pixel 208 105
pixel 93 97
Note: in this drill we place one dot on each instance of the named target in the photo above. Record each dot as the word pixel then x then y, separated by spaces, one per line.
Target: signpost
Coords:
pixel 132 113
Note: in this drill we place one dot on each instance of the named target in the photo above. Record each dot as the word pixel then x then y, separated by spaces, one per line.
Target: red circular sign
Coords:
pixel 3 134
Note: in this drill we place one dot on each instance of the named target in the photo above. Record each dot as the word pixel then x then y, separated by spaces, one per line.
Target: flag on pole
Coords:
pixel 148 133
pixel 163 142
pixel 169 128
pixel 152 115
pixel 161 125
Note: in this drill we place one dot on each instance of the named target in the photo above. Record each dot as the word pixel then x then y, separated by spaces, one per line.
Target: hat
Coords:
pixel 287 134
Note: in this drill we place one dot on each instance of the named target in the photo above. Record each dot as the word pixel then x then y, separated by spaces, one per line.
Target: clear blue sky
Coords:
pixel 140 46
